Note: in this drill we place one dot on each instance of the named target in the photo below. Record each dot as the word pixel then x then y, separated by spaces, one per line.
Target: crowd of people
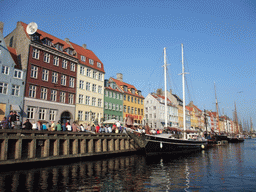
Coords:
pixel 13 122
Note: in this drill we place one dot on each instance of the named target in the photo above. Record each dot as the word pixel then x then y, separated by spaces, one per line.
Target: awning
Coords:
pixel 15 108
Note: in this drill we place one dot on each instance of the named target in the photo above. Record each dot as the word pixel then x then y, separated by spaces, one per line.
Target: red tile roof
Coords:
pixel 89 55
pixel 189 108
pixel 13 53
pixel 120 84
pixel 110 88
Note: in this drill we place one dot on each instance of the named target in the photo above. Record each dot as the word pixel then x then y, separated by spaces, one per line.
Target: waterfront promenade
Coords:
pixel 22 146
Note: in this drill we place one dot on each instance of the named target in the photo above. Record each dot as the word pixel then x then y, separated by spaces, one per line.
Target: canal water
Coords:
pixel 222 168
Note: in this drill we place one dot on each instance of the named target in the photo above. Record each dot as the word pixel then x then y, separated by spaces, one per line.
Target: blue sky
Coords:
pixel 129 37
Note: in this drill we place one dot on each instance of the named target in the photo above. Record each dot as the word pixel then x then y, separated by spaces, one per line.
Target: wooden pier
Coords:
pixel 22 146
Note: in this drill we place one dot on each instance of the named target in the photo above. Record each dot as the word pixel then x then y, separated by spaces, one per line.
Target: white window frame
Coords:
pixel 88 86
pixel 71 98
pixel 98 64
pixel 106 105
pixel 30 112
pixel 121 107
pixel 80 115
pixel 91 61
pixel 100 89
pixel 32 91
pixel 110 106
pixel 53 95
pixel 63 80
pixel 113 107
pixel 82 70
pixel 34 71
pixel 42 114
pixel 99 102
pixel 72 66
pixel 62 97
pixel 3 88
pixel 43 93
pixel 47 57
pixel 64 63
pixel 83 58
pixel 94 87
pixel 45 74
pixel 54 77
pixel 100 76
pixel 81 84
pixel 93 101
pixel 56 60
pixel 86 115
pixel 88 72
pixel 87 100
pixel 52 115
pixel 18 74
pixel 81 99
pixel 15 90
pixel 72 82
pixel 94 74
pixel 36 53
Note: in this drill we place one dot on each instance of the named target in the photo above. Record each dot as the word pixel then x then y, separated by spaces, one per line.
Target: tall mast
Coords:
pixel 217 109
pixel 165 88
pixel 184 99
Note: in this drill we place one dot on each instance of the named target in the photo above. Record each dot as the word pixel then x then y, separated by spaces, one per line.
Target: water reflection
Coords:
pixel 217 169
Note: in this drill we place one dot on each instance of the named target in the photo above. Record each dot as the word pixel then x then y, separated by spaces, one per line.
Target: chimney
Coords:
pixel 84 46
pixel 119 77
pixel 159 91
pixel 66 40
pixel 171 91
pixel 1 26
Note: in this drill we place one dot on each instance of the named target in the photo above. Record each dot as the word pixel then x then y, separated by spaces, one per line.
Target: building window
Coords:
pixel 34 71
pixel 117 96
pixel 154 115
pixel 83 58
pixel 105 117
pixel 98 65
pixel 138 111
pixel 42 114
pixel 82 70
pixel 135 111
pixel 53 95
pixel 99 102
pixel 72 67
pixel 80 115
pixel 93 116
pixel 100 76
pixel 117 107
pixel 62 97
pixel 88 86
pixel 72 82
pixel 94 75
pixel 35 53
pixel 87 100
pixel 15 90
pixel 135 100
pixel 124 97
pixel 106 105
pixel 32 91
pixel 141 111
pixel 54 77
pixel 47 57
pixel 100 89
pixel 121 97
pixel 59 47
pixel 71 98
pixel 106 93
pixel 56 60
pixel 146 110
pixel 141 102
pixel 86 115
pixel 110 106
pixel 91 61
pixel 30 112
pixel 93 87
pixel 44 93
pixel 121 107
pixel 114 107
pixel 138 101
pixel 88 73
pixel 45 75
pixel 81 99
pixel 52 115
pixel 64 63
pixel 93 101
pixel 154 107
pixel 63 80
pixel 128 97
pixel 128 109
pixel 132 110
pixel 114 95
pixel 110 94
pixel 17 74
pixel 125 108
pixel 3 88
pixel 131 99
pixel 81 84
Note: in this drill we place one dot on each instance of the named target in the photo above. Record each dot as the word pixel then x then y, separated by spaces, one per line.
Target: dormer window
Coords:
pixel 125 88
pixel 91 61
pixel 133 91
pixel 98 64
pixel 69 51
pixel 47 41
pixel 83 58
pixel 139 93
pixel 35 37
pixel 59 47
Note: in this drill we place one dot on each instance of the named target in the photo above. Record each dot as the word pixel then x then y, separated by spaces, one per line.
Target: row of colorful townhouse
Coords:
pixel 45 78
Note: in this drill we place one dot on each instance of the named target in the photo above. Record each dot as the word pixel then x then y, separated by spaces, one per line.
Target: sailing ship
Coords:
pixel 166 143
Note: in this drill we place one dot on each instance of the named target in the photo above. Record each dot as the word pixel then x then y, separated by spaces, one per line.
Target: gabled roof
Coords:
pixel 189 108
pixel 197 108
pixel 162 97
pixel 120 84
pixel 110 88
pixel 55 40
pixel 89 55
pixel 13 53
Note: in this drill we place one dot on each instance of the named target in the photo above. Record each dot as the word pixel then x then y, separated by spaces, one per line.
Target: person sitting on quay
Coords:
pixel 81 128
pixel 63 127
pixel 44 127
pixel 9 119
pixel 39 125
pixel 97 129
pixel 34 125
pixel 89 128
pixel 106 128
pixel 28 125
pixel 4 123
pixel 69 128
pixel 109 129
pixel 74 127
pixel 53 126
